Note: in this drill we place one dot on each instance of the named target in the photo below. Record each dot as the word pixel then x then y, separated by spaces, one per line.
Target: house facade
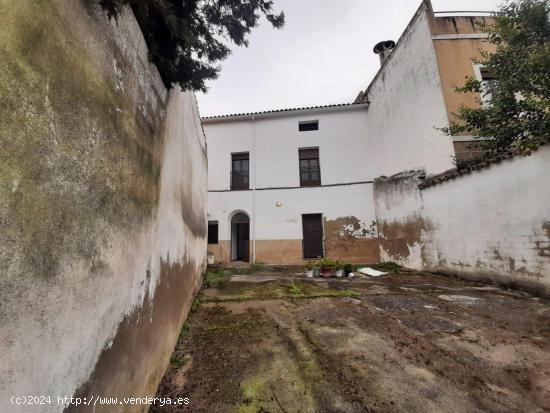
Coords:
pixel 290 185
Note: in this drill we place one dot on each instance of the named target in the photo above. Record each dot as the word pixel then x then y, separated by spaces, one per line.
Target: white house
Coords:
pixel 283 177
pixel 293 184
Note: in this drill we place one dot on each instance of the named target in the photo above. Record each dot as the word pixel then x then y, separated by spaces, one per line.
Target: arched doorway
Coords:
pixel 240 237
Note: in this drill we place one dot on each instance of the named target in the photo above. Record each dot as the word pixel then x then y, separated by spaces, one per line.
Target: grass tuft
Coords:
pixel 295 290
pixel 215 276
pixel 177 361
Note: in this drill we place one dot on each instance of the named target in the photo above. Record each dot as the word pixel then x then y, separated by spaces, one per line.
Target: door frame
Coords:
pixel 238 218
pixel 323 250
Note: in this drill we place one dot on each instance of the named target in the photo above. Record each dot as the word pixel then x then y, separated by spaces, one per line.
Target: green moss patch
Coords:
pixel 241 291
pixel 76 156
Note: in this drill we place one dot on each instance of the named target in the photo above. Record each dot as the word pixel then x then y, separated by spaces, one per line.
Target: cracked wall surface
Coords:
pixel 102 204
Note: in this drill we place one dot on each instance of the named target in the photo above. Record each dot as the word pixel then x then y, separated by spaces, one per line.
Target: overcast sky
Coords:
pixel 323 55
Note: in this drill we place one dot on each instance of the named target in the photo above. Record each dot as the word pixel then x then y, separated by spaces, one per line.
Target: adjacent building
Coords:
pixel 290 185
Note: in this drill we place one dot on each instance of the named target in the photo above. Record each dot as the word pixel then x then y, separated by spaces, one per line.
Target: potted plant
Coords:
pixel 348 269
pixel 327 267
pixel 308 269
pixel 339 269
pixel 316 268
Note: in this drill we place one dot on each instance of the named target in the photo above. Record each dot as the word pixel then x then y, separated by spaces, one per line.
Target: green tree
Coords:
pixel 187 38
pixel 517 114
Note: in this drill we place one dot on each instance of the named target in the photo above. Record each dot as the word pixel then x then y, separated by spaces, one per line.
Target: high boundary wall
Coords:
pixel 491 224
pixel 103 179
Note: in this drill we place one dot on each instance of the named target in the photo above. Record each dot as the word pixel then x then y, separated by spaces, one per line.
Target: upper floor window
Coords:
pixel 488 83
pixel 308 125
pixel 212 232
pixel 310 172
pixel 240 171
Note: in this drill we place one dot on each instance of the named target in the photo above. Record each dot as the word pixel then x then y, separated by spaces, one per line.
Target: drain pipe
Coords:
pixel 254 192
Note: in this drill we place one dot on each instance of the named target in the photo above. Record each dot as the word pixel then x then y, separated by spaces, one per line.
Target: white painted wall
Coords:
pixel 341 142
pixel 223 140
pixel 340 138
pixel 493 223
pixel 285 222
pixel 406 107
pixel 493 220
pixel 223 205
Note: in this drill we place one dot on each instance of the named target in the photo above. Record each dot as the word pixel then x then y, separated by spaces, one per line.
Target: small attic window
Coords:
pixel 308 125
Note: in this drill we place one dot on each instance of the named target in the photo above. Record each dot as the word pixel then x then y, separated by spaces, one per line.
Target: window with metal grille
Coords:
pixel 489 84
pixel 239 171
pixel 310 172
pixel 212 232
pixel 308 125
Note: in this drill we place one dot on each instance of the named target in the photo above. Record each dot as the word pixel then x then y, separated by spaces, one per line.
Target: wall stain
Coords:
pixel 140 351
pixel 396 237
pixel 349 239
pixel 496 255
pixel 544 246
pixel 80 155
pixel 82 114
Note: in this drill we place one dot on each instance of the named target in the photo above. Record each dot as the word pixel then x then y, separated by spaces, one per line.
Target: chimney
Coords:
pixel 383 49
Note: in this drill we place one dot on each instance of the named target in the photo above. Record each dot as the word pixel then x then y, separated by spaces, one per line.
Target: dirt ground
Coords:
pixel 406 342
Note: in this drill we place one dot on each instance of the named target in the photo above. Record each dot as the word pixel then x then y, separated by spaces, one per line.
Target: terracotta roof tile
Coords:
pixel 482 164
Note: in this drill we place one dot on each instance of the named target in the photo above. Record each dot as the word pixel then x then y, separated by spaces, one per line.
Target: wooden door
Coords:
pixel 312 226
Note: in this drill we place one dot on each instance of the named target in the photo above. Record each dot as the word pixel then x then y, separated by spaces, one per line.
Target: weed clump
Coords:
pixel 295 290
pixel 388 267
pixel 177 360
pixel 214 276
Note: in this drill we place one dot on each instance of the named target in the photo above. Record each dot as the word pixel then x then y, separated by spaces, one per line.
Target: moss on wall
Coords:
pixel 77 155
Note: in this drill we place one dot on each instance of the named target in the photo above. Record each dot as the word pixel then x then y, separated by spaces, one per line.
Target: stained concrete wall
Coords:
pixel 102 205
pixel 398 206
pixel 491 224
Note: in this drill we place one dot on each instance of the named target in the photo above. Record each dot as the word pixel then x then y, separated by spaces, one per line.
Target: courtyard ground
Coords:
pixel 405 342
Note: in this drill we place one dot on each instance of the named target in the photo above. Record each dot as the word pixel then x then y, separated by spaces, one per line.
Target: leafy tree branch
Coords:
pixel 517 113
pixel 186 37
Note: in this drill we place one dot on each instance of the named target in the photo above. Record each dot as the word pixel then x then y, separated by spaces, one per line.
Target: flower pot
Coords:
pixel 309 273
pixel 339 273
pixel 316 272
pixel 326 271
pixel 348 270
